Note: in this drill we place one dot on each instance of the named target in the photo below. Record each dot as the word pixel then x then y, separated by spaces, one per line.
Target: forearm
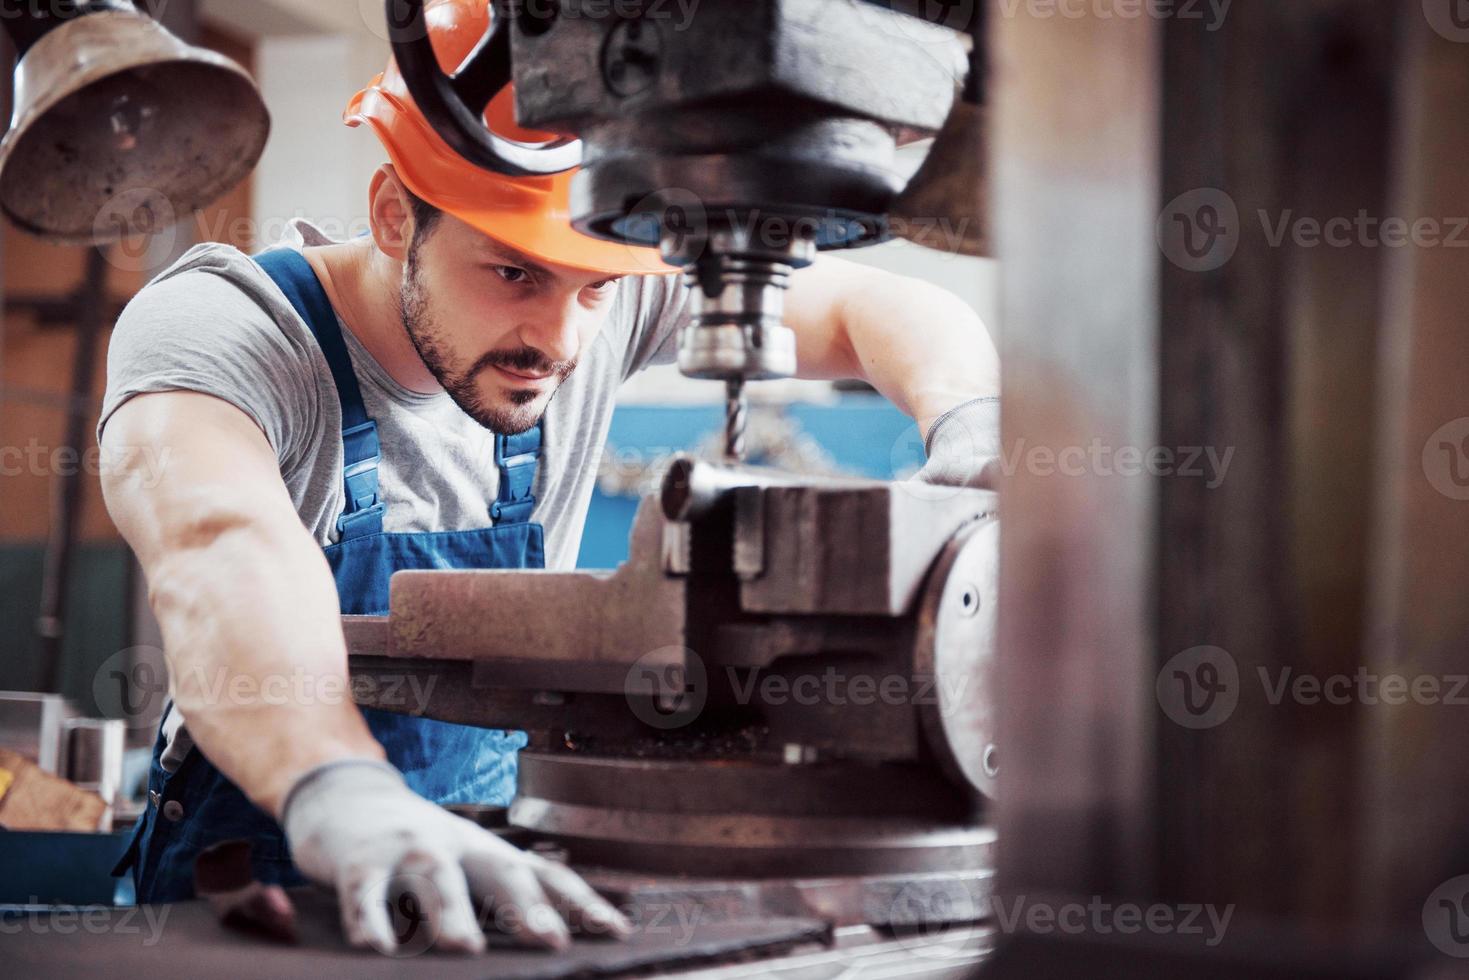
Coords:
pixel 257 661
pixel 249 612
pixel 921 346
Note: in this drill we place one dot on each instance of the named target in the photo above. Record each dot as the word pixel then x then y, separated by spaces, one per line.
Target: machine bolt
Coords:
pixel 631 57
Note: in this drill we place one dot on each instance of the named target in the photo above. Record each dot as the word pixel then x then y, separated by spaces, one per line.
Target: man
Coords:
pixel 435 395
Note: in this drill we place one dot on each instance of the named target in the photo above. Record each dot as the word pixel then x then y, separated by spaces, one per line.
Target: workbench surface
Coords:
pixel 127 943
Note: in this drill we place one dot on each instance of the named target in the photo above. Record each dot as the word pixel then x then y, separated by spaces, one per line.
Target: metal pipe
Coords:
pixel 67 499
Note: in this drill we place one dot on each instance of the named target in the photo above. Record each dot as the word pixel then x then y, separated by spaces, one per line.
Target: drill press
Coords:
pixel 738 144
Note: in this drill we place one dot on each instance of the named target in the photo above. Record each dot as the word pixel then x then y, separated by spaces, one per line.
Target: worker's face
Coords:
pixel 500 331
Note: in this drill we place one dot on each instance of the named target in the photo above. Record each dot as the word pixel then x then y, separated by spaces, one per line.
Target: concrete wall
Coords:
pixel 315 166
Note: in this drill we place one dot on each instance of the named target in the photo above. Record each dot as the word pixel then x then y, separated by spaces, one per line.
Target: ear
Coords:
pixel 392 218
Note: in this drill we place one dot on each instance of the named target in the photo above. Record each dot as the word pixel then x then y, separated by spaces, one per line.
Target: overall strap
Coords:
pixel 516 457
pixel 361 451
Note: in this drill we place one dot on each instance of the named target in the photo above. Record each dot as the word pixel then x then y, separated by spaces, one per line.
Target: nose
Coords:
pixel 555 329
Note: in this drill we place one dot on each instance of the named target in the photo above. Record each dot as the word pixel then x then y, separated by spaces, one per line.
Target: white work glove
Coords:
pixel 355 826
pixel 964 447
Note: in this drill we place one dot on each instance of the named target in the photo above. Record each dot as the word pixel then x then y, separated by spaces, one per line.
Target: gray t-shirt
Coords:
pixel 216 323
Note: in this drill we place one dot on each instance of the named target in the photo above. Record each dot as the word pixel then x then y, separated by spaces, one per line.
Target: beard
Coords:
pixel 519 413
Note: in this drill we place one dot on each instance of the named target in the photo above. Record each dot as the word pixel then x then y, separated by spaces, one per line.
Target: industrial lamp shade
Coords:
pixel 120 128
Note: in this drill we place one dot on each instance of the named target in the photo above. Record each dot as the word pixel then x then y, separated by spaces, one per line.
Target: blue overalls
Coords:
pixel 196 806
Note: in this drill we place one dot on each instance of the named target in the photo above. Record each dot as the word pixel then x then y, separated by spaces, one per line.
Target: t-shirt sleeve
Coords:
pixel 197 331
pixel 662 311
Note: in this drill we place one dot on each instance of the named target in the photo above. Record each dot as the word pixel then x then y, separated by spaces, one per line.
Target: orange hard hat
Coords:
pixel 530 214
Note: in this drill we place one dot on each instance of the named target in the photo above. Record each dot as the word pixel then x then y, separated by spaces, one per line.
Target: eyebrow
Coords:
pixel 511 256
pixel 520 260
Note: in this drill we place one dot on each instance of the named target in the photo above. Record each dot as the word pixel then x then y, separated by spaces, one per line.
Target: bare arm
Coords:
pixel 919 345
pixel 249 612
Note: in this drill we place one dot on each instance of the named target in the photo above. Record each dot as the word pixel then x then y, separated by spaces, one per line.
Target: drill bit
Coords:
pixel 736 419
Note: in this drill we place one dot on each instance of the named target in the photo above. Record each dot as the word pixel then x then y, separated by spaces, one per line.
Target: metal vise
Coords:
pixel 786 678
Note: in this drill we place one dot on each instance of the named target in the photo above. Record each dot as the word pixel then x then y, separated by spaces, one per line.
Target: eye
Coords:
pixel 606 285
pixel 512 274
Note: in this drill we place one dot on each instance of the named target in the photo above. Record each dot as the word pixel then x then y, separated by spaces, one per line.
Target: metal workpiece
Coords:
pixel 851 551
pixel 692 487
pixel 793 541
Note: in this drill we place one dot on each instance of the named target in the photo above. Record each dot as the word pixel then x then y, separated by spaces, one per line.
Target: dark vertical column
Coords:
pixel 1416 780
pixel 1076 138
pixel 1277 128
pixel 1189 217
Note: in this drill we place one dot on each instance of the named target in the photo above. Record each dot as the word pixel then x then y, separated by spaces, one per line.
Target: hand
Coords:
pixel 355 826
pixel 964 447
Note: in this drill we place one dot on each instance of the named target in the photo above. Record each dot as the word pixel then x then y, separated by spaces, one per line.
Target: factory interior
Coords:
pixel 734 488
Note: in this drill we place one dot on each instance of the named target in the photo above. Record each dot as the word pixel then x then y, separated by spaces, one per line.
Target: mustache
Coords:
pixel 526 360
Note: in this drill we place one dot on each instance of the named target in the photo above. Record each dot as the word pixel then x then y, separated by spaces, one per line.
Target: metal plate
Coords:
pixel 142 943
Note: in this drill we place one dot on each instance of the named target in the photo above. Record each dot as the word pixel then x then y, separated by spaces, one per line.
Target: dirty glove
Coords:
pixel 964 447
pixel 355 826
